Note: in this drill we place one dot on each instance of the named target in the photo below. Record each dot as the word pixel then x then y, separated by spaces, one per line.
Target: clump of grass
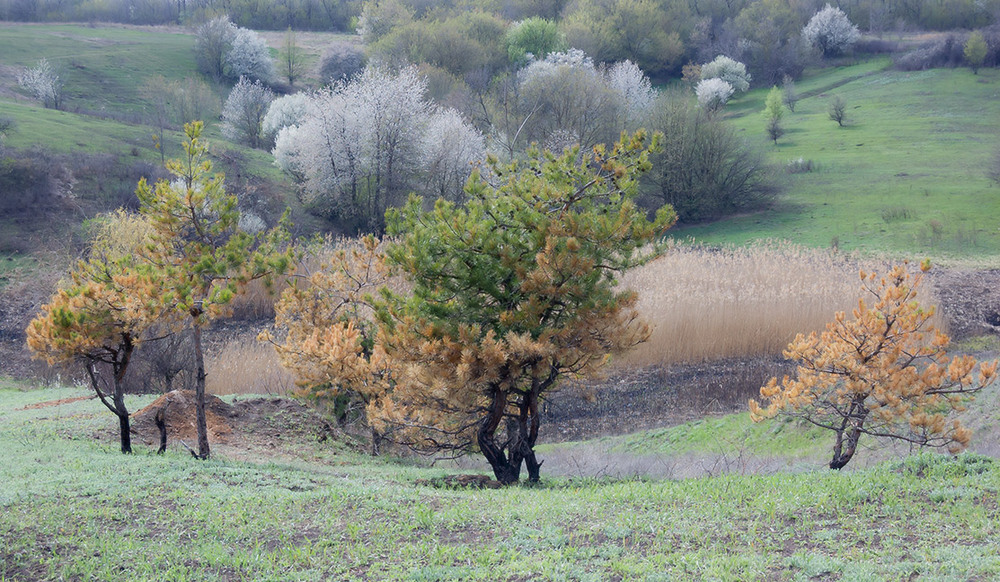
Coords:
pixel 706 303
pixel 245 366
pixel 800 166
pixel 896 213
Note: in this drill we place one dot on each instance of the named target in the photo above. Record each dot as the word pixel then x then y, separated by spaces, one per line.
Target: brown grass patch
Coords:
pixel 246 366
pixel 737 302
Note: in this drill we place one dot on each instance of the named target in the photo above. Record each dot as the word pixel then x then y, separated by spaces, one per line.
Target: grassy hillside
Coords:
pixel 103 67
pixel 906 175
pixel 76 509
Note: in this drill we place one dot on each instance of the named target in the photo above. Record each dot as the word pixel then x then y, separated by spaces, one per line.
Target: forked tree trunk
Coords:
pixel 848 434
pixel 522 434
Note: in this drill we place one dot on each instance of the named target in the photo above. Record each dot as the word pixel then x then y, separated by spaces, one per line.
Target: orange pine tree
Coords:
pixel 327 335
pixel 101 316
pixel 884 373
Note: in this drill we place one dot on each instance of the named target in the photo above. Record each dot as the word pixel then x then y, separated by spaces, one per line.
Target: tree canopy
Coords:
pixel 885 373
pixel 511 292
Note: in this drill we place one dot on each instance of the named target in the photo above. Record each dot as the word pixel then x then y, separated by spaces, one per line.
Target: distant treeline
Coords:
pixel 333 15
pixel 682 17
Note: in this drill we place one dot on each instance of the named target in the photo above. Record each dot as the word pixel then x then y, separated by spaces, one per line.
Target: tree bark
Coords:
pixel 503 469
pixel 199 392
pixel 161 424
pixel 850 427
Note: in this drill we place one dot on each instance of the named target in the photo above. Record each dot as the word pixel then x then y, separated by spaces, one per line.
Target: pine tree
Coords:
pixel 884 373
pixel 201 255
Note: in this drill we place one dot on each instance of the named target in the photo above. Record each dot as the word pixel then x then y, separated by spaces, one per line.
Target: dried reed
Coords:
pixel 246 366
pixel 710 303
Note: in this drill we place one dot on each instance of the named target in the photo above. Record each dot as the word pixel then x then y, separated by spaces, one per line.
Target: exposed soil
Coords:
pixel 250 425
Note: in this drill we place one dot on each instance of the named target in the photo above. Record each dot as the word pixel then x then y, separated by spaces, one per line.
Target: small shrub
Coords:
pixel 838 110
pixel 342 60
pixel 800 166
pixel 896 214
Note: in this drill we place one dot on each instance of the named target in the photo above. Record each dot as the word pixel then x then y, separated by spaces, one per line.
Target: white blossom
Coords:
pixel 42 82
pixel 243 113
pixel 713 93
pixel 284 111
pixel 729 70
pixel 830 31
pixel 249 56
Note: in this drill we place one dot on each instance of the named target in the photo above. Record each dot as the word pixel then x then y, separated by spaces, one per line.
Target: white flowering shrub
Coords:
pixel 451 147
pixel 243 113
pixel 831 32
pixel 249 56
pixel 713 94
pixel 283 112
pixel 43 83
pixel 729 70
pixel 634 90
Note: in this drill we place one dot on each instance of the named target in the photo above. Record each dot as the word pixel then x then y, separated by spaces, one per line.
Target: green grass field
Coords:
pixel 103 67
pixel 905 176
pixel 76 509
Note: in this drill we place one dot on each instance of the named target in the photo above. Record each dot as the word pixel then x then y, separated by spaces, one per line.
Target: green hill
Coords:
pixel 907 175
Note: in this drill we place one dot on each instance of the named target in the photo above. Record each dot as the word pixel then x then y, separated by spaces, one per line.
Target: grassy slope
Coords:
pixel 73 509
pixel 907 175
pixel 103 68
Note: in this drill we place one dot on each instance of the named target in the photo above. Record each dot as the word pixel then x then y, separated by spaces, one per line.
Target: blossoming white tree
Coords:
pixel 43 83
pixel 729 70
pixel 831 32
pixel 713 93
pixel 243 113
pixel 364 145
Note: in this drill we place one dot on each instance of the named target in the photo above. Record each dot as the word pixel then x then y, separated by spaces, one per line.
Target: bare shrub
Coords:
pixel 942 52
pixel 342 60
pixel 709 303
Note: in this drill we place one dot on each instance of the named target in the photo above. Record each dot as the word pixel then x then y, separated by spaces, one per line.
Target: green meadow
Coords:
pixel 906 175
pixel 76 509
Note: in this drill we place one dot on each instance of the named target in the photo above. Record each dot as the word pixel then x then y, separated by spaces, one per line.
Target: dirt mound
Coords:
pixel 180 418
pixel 265 423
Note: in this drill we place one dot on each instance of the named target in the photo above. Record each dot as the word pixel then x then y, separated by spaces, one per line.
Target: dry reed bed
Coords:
pixel 702 304
pixel 710 303
pixel 246 366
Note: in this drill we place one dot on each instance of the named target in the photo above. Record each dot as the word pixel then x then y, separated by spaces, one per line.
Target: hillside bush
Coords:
pixel 212 42
pixel 713 94
pixel 244 111
pixel 945 52
pixel 341 60
pixel 705 170
pixel 43 83
pixel 248 56
pixel 729 70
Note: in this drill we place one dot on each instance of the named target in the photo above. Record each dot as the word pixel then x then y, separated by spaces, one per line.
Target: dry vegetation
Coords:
pixel 246 366
pixel 711 303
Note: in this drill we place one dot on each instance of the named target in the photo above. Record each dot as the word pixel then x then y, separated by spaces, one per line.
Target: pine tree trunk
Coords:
pixel 199 393
pixel 126 436
pixel 849 434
